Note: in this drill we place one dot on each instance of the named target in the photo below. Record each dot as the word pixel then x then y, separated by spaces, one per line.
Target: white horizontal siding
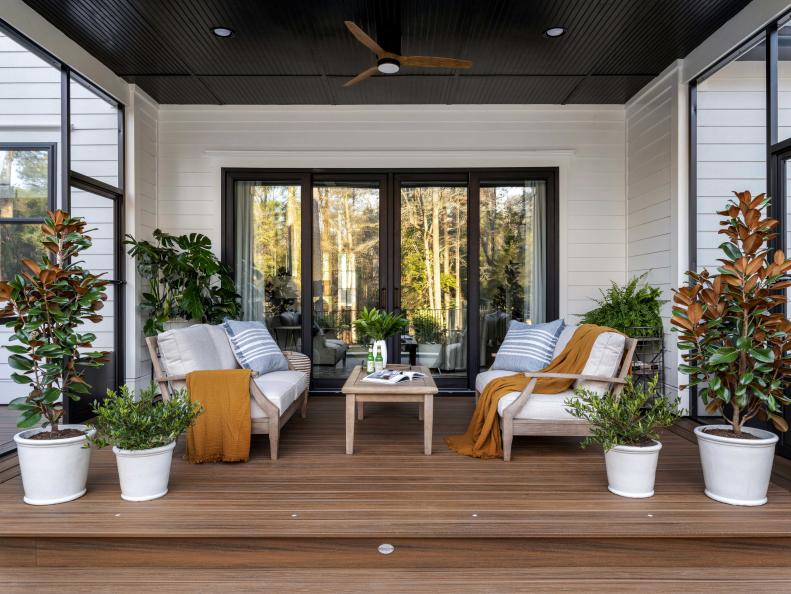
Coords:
pixel 196 142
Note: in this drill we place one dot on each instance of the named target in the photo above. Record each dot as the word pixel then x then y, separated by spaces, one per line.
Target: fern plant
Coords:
pixel 633 308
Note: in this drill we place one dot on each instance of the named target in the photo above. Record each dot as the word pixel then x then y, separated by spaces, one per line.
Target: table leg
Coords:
pixel 360 411
pixel 428 423
pixel 420 412
pixel 350 424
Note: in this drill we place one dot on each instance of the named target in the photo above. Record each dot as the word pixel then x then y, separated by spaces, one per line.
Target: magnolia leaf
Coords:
pixel 723 355
pixel 779 422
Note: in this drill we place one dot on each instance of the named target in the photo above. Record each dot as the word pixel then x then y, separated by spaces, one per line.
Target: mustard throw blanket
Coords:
pixel 222 432
pixel 483 438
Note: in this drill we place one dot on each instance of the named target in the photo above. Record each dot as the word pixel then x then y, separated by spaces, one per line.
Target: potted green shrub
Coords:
pixel 378 326
pixel 736 346
pixel 48 304
pixel 429 336
pixel 186 282
pixel 626 426
pixel 143 432
pixel 634 308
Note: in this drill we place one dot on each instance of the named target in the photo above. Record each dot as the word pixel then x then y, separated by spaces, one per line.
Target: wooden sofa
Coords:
pixel 529 413
pixel 275 397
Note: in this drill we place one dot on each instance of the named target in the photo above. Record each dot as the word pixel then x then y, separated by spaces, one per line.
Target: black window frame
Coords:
pixel 52 176
pixel 389 277
pixel 775 183
pixel 80 411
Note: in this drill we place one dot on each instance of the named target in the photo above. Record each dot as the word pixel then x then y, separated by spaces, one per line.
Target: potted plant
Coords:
pixel 736 346
pixel 429 336
pixel 48 303
pixel 626 426
pixel 378 326
pixel 143 432
pixel 186 281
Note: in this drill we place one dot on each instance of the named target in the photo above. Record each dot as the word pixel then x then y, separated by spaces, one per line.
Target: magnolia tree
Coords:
pixel 734 339
pixel 48 303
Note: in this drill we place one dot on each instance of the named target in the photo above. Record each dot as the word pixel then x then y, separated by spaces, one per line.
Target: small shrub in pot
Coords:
pixel 626 425
pixel 143 432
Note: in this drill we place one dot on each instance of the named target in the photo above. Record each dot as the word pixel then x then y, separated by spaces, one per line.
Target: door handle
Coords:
pixel 383 298
pixel 396 297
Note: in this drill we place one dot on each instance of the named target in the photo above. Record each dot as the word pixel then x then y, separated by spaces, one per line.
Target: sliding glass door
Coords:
pixel 460 253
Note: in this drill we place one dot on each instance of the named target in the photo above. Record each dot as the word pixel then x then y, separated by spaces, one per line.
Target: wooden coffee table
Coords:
pixel 420 391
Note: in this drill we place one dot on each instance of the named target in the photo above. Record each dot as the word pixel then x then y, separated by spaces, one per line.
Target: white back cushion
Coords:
pixel 604 360
pixel 195 348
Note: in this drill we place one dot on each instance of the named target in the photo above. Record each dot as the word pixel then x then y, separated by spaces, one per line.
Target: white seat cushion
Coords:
pixel 281 388
pixel 485 377
pixel 540 407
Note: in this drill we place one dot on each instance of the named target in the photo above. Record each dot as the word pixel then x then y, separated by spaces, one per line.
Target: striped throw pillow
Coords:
pixel 528 347
pixel 254 347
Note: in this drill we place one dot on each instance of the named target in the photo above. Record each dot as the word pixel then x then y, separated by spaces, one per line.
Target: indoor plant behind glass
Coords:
pixel 736 345
pixel 48 304
pixel 143 432
pixel 626 426
pixel 186 281
pixel 379 326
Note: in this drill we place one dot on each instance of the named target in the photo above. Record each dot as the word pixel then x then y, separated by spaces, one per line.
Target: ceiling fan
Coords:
pixel 390 63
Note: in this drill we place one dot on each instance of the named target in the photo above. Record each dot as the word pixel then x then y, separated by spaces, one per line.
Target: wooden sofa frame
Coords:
pixel 573 427
pixel 296 362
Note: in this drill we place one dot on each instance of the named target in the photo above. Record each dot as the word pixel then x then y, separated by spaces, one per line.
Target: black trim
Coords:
pixel 777 153
pixel 389 183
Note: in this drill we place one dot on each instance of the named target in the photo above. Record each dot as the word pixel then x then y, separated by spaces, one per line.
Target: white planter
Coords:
pixel 53 470
pixel 736 471
pixel 144 474
pixel 428 354
pixel 631 470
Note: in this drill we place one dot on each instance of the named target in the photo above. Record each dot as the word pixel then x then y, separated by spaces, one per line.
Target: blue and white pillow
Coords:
pixel 528 347
pixel 254 347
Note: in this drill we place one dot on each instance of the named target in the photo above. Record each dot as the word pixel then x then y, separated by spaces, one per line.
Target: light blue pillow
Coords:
pixel 254 347
pixel 528 347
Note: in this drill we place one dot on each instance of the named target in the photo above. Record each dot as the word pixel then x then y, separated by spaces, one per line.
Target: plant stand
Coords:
pixel 649 357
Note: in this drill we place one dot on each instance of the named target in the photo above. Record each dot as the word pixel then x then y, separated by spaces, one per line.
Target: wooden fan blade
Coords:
pixel 362 76
pixel 363 38
pixel 433 62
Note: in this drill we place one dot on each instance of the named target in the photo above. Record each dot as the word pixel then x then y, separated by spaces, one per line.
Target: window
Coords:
pixel 60 148
pixel 27 191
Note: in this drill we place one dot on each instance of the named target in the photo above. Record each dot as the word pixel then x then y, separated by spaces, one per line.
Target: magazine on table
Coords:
pixel 391 376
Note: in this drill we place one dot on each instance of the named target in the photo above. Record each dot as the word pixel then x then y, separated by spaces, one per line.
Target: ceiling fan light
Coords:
pixel 222 31
pixel 388 66
pixel 554 32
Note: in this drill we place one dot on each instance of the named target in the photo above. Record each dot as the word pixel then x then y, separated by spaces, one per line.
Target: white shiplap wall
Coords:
pixel 30 112
pixel 652 195
pixel 585 142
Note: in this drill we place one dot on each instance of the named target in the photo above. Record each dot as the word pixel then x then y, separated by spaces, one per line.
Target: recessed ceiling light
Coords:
pixel 222 31
pixel 555 32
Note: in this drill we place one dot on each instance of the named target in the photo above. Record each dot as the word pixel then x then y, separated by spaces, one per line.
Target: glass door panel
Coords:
pixel 345 272
pixel 433 276
pixel 512 260
pixel 268 257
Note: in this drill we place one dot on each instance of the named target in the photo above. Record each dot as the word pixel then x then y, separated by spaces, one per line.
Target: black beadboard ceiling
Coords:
pixel 299 51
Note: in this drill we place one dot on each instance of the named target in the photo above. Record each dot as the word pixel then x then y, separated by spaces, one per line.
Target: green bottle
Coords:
pixel 379 363
pixel 369 362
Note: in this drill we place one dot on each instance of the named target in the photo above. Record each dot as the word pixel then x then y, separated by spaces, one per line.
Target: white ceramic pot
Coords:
pixel 380 346
pixel 429 354
pixel 144 474
pixel 631 470
pixel 736 471
pixel 53 470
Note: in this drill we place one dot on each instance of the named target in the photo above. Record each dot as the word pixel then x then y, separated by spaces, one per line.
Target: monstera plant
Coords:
pixel 735 342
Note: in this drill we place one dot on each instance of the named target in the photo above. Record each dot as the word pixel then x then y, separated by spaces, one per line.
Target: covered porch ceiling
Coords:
pixel 301 52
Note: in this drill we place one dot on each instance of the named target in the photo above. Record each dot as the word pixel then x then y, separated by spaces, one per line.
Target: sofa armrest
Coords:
pixel 298 362
pixel 576 376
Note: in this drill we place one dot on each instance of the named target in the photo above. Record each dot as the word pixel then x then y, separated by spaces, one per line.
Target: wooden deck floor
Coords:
pixel 7 429
pixel 318 509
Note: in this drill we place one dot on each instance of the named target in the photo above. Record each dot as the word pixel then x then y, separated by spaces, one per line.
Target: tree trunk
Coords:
pixel 435 198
